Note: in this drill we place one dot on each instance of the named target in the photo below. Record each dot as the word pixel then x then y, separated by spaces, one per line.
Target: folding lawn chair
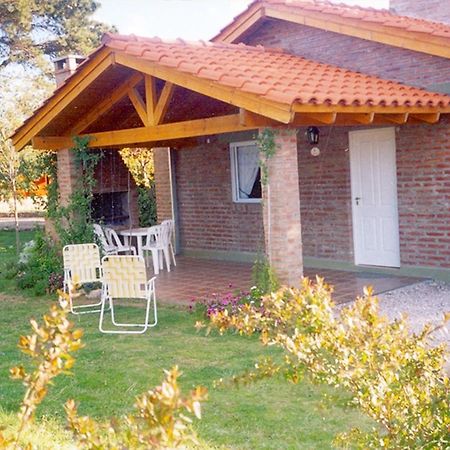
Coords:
pixel 81 265
pixel 124 277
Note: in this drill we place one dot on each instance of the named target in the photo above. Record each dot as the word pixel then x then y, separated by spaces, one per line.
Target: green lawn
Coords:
pixel 111 370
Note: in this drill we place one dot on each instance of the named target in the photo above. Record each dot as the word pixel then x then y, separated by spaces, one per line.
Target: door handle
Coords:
pixel 357 199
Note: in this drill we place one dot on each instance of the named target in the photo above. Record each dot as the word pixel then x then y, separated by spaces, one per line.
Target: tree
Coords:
pixel 31 33
pixel 139 162
pixel 34 29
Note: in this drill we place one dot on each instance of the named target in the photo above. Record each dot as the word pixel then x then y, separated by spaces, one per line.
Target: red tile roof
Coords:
pixel 274 75
pixel 365 19
pixel 380 16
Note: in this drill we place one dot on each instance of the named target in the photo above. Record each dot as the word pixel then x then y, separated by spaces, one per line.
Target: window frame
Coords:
pixel 234 146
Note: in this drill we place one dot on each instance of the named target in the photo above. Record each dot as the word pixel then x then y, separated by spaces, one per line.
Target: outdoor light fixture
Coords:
pixel 313 135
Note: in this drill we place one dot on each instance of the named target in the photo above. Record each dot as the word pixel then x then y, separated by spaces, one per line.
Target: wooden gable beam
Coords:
pixel 232 96
pixel 151 134
pixel 163 103
pixel 106 104
pixel 75 85
pixel 139 105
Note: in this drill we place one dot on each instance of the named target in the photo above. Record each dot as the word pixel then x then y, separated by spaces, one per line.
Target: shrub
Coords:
pixel 394 376
pixel 42 270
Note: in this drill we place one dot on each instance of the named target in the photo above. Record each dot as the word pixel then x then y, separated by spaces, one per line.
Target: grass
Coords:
pixel 111 370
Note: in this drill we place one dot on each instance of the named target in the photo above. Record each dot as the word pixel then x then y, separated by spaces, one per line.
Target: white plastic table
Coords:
pixel 138 233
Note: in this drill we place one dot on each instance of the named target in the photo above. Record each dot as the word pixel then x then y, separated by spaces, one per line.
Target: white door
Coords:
pixel 374 197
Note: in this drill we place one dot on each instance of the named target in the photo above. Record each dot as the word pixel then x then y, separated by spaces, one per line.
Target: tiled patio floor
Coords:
pixel 194 278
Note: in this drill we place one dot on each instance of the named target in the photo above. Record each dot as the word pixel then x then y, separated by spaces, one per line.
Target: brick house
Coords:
pixel 376 193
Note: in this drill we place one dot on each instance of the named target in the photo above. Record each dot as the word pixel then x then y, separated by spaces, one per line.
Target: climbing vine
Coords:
pixel 267 149
pixel 73 222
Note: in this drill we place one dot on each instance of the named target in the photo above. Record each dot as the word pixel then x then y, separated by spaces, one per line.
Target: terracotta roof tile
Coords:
pixel 277 76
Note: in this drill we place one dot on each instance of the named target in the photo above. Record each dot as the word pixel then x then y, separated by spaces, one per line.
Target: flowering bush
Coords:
pixel 230 302
pixel 55 282
pixel 393 375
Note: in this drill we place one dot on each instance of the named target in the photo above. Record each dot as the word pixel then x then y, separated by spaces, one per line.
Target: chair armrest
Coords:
pixel 150 282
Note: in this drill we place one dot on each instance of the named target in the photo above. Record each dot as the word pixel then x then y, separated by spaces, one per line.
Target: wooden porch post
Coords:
pixel 281 210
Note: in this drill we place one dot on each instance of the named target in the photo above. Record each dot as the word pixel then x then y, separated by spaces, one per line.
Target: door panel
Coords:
pixel 374 197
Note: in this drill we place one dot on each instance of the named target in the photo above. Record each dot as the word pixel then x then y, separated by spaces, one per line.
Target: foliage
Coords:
pixel 264 278
pixel 160 420
pixel 147 206
pixel 73 222
pixel 267 149
pixel 50 348
pixel 139 162
pixel 31 30
pixel 394 376
pixel 41 270
pixel 267 415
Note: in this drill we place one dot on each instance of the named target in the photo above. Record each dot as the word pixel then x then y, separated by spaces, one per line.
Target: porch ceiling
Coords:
pixel 145 91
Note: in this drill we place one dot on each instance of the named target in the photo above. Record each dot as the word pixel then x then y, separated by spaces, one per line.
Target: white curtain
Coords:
pixel 248 166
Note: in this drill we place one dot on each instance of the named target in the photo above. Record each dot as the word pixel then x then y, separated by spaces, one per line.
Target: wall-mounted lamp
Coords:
pixel 312 134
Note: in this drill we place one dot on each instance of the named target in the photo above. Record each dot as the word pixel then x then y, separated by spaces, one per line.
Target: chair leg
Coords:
pixel 155 257
pixel 142 326
pixel 167 258
pixel 173 254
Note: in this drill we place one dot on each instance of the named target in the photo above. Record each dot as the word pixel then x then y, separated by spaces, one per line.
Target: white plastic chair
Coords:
pixel 81 265
pixel 124 277
pixel 110 241
pixel 158 241
pixel 171 224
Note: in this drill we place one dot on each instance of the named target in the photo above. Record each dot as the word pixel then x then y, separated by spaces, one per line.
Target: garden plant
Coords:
pixel 394 376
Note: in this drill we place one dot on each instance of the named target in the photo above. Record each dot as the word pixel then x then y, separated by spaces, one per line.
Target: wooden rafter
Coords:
pixel 150 134
pixel 139 105
pixel 249 119
pixel 150 98
pixel 163 102
pixel 106 104
pixel 426 118
pixel 251 102
pixel 399 119
pixel 325 118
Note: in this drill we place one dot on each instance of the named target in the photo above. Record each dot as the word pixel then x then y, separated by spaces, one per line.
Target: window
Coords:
pixel 245 172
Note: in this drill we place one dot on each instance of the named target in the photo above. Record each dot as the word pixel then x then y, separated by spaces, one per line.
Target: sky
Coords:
pixel 187 19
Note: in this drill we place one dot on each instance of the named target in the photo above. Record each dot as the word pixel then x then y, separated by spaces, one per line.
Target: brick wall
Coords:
pixel 162 183
pixel 393 63
pixel 423 171
pixel 437 10
pixel 423 177
pixel 208 218
pixel 325 195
